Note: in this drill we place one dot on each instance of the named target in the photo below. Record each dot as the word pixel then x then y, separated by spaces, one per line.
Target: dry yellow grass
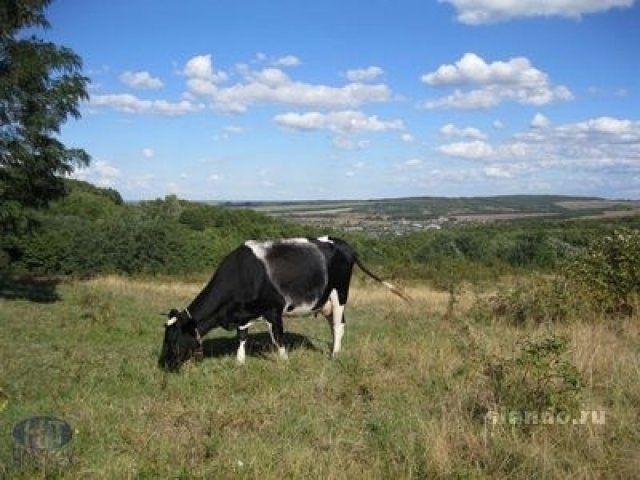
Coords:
pixel 399 402
pixel 361 294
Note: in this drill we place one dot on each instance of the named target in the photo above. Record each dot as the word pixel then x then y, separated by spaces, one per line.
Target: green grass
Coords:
pixel 401 401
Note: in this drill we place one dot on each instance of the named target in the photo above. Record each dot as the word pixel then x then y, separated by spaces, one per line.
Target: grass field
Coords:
pixel 407 397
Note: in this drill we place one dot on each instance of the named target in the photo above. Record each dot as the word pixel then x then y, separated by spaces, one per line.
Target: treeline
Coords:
pixel 92 231
pixel 484 252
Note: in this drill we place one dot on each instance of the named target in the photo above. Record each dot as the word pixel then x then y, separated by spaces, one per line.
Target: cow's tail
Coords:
pixel 396 290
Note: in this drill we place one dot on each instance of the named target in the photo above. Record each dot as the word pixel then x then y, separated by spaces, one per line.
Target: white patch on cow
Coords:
pixel 337 324
pixel 171 321
pixel 325 239
pixel 273 339
pixel 338 333
pixel 260 248
pixel 327 308
pixel 241 354
pixel 283 353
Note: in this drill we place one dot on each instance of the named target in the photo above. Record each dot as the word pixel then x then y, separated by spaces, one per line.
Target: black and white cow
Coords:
pixel 267 279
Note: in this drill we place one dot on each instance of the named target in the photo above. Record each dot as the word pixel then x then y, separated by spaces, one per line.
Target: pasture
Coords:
pixel 407 398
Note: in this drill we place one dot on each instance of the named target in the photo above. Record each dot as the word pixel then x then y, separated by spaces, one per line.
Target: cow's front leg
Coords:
pixel 243 335
pixel 276 330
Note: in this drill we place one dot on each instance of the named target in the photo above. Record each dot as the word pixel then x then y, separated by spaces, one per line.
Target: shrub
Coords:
pixel 609 268
pixel 539 379
pixel 542 299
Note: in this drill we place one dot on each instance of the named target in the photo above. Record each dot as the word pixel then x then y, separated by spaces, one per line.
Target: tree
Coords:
pixel 41 86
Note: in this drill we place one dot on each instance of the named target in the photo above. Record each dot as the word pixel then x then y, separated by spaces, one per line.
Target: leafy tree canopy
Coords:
pixel 41 85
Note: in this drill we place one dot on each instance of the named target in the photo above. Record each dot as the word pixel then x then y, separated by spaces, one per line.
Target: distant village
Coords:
pixel 372 225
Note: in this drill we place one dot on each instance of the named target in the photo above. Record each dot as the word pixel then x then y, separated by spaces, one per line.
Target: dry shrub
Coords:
pixel 538 379
pixel 540 300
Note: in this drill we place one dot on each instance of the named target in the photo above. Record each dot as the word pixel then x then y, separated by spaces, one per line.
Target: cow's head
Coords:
pixel 181 341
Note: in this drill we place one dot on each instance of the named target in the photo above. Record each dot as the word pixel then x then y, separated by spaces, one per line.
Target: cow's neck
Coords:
pixel 205 308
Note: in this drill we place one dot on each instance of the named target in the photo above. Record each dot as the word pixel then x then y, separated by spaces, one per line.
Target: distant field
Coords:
pixel 596 204
pixel 392 215
pixel 400 401
pixel 497 217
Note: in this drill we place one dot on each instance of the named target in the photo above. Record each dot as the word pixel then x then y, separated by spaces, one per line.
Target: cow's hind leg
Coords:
pixel 276 330
pixel 336 321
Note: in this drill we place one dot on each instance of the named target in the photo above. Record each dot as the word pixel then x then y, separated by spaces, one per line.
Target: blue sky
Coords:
pixel 256 100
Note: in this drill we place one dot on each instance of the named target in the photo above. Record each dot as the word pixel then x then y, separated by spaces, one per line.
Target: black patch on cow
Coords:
pixel 298 270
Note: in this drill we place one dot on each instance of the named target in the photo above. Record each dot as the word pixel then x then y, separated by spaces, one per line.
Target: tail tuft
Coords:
pixel 397 291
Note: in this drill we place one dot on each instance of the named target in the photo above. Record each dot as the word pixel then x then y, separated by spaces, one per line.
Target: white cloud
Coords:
pixel 469 132
pixel 142 80
pixel 624 130
pixel 347 142
pixel 407 138
pixel 201 76
pixel 540 121
pixel 515 80
pixel 233 129
pixel 148 152
pixel 125 102
pixel 414 162
pixel 201 66
pixel 266 86
pixel 272 85
pixel 497 171
pixel 228 132
pixel 594 146
pixel 597 133
pixel 473 69
pixel 215 177
pixel 263 89
pixel 342 122
pixel 263 58
pixel 100 172
pixel 364 74
pixel 287 61
pixel 498 124
pixel 476 12
pixel 476 149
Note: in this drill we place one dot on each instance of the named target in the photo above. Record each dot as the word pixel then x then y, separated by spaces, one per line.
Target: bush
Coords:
pixel 609 268
pixel 541 299
pixel 539 379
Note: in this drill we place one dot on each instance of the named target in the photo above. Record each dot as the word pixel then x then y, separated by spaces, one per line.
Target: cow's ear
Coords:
pixel 170 322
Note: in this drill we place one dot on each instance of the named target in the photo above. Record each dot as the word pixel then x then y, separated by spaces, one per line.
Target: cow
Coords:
pixel 268 279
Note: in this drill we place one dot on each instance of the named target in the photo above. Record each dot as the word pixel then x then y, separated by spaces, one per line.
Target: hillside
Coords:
pixel 404 215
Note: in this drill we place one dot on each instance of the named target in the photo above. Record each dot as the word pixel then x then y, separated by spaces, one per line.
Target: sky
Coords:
pixel 342 99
